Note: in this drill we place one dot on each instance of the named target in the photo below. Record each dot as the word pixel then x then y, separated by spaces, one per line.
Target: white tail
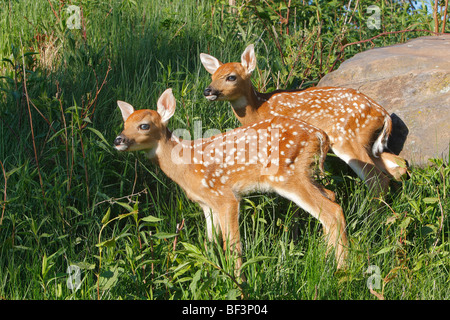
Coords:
pixel 381 143
pixel 273 155
pixel 357 126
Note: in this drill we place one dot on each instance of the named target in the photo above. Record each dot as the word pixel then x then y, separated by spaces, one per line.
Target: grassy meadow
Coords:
pixel 81 221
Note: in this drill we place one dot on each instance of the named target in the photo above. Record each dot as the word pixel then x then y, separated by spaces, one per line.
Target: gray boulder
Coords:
pixel 412 82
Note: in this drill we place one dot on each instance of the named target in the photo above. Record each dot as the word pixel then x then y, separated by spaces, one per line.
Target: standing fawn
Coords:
pixel 273 155
pixel 357 126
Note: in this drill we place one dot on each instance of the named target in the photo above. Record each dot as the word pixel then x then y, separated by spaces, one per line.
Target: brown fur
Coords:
pixel 352 120
pixel 273 155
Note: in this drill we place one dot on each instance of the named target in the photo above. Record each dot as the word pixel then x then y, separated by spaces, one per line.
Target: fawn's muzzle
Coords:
pixel 211 94
pixel 118 140
pixel 121 143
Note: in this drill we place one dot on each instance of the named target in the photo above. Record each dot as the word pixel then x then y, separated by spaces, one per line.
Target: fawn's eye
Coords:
pixel 144 126
pixel 231 78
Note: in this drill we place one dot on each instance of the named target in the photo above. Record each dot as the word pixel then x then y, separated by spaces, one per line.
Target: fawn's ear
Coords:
pixel 166 105
pixel 248 59
pixel 210 63
pixel 126 109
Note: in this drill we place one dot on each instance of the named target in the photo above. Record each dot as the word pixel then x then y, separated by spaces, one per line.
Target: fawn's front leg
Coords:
pixel 229 224
pixel 212 222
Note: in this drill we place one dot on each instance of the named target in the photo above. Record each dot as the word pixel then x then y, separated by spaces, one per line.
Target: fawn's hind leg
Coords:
pixel 393 165
pixel 309 197
pixel 359 160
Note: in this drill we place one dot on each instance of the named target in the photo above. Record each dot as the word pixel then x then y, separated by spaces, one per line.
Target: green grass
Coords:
pixel 68 199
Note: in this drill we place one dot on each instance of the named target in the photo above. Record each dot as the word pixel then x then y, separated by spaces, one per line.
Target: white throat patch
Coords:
pixel 239 103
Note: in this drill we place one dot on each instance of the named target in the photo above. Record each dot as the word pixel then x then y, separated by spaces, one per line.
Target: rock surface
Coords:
pixel 412 82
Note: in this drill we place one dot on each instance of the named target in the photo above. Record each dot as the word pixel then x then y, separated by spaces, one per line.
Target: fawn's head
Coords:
pixel 144 128
pixel 230 81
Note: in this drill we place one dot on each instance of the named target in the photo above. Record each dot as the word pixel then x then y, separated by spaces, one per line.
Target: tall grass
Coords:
pixel 68 199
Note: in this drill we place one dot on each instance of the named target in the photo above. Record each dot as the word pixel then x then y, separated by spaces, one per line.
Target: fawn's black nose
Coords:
pixel 207 92
pixel 118 141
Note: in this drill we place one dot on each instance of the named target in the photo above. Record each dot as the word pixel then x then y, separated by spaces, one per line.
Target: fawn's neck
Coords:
pixel 246 107
pixel 164 156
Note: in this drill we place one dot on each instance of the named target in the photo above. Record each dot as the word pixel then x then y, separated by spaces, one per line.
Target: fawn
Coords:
pixel 273 155
pixel 354 122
